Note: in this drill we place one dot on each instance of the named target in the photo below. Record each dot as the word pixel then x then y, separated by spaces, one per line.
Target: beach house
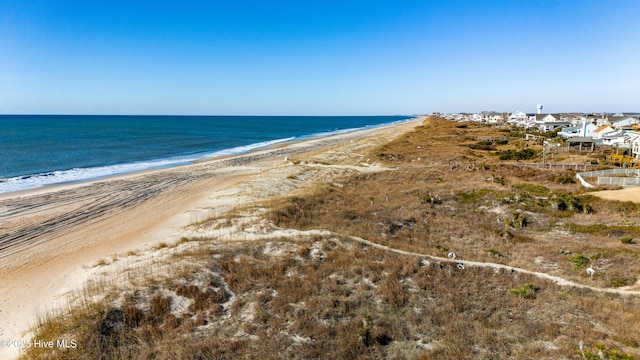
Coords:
pixel 601 131
pixel 548 122
pixel 614 138
pixel 517 117
pixel 585 130
pixel 626 122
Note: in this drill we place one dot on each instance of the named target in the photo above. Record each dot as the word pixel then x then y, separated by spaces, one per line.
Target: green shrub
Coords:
pixel 472 196
pixel 431 199
pixel 618 280
pixel 518 220
pixel 628 208
pixel 526 154
pixel 532 189
pixel 578 261
pixel 627 240
pixel 527 291
pixel 606 354
pixel 569 202
pixel 442 249
pixel 499 180
pixel 495 253
pixel 480 146
pixel 602 229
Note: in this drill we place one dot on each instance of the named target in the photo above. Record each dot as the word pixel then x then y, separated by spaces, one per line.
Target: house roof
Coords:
pixel 613 134
pixel 542 116
pixel 626 118
pixel 601 128
pixel 557 123
pixel 580 139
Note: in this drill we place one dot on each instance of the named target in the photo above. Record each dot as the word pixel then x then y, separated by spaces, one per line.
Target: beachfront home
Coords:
pixel 625 122
pixel 602 130
pixel 599 119
pixel 573 118
pixel 543 118
pixel 585 130
pixel 613 138
pixel 577 119
pixel 550 126
pixel 492 117
pixel 517 117
pixel 548 122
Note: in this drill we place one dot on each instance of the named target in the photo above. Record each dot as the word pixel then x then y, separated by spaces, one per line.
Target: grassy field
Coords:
pixel 318 293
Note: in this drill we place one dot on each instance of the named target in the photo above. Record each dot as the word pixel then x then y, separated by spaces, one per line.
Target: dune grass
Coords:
pixel 326 296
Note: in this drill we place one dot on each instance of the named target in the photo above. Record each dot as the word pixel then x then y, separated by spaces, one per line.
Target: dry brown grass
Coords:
pixel 331 297
pixel 342 300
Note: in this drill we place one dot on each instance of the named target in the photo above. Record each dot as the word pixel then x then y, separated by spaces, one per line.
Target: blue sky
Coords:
pixel 318 57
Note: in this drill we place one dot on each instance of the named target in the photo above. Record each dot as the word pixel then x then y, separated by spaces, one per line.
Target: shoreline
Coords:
pixel 184 160
pixel 279 145
pixel 60 232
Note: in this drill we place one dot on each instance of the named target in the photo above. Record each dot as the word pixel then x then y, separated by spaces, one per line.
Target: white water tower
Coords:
pixel 539 108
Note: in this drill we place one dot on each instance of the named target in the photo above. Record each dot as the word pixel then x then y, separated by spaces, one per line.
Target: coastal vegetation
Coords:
pixel 363 271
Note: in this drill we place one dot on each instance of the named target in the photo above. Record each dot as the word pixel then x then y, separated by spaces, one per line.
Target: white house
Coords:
pixel 614 138
pixel 625 122
pixel 552 125
pixel 586 130
pixel 548 122
pixel 543 118
pixel 517 116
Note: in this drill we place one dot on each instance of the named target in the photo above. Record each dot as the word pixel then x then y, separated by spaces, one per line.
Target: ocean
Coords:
pixel 41 150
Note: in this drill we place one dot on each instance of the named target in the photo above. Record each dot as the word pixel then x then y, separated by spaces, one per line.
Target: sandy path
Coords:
pixel 556 279
pixel 51 237
pixel 628 194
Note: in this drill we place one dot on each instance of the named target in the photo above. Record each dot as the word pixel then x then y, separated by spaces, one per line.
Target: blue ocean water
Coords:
pixel 40 150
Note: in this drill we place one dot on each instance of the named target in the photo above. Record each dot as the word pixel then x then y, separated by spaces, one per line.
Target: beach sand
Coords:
pixel 52 238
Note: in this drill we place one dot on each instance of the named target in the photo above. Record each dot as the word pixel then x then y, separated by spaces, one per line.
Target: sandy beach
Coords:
pixel 51 238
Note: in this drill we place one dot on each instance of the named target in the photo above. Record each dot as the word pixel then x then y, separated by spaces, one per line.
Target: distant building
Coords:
pixel 548 122
pixel 585 130
pixel 492 117
pixel 517 116
pixel 543 118
pixel 601 131
pixel 625 122
pixel 614 138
